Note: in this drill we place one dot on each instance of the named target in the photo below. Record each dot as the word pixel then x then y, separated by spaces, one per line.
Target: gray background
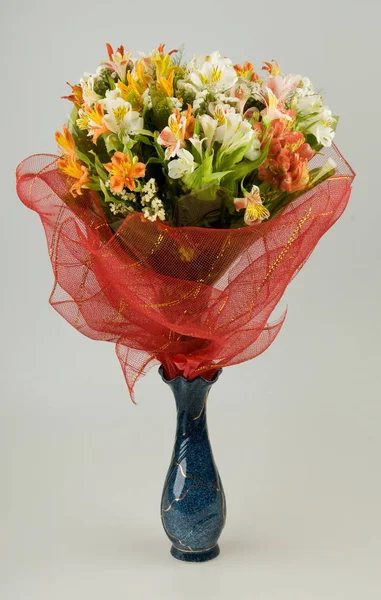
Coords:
pixel 295 432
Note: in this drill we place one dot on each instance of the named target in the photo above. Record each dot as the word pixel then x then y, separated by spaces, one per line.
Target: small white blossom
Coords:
pixel 176 103
pixel 147 98
pixel 119 208
pixel 152 206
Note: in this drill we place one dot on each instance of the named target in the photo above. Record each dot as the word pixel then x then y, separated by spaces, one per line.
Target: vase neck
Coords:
pixel 191 397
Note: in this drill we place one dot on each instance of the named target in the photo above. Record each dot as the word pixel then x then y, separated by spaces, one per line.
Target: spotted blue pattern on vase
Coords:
pixel 193 506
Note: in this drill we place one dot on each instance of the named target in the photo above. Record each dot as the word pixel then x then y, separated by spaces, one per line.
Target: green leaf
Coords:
pixel 320 174
pixel 335 122
pixel 113 143
pixel 197 179
pixel 85 159
pixel 94 186
pixel 107 196
pixel 146 132
pixel 128 147
pixel 197 126
pixel 111 83
pixel 246 166
pixel 153 159
pixel 99 167
pixel 194 180
pixel 72 122
pixel 143 139
pixel 216 177
pixel 228 160
pixel 159 149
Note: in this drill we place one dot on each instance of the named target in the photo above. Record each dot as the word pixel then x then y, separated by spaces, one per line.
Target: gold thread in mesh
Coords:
pixel 286 248
pixel 140 262
pixel 86 269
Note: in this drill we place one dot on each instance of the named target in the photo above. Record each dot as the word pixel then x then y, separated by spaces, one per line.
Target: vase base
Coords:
pixel 189 556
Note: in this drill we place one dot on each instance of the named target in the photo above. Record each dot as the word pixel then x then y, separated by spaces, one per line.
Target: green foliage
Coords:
pixel 113 143
pixel 102 82
pixel 203 176
pixel 244 168
pixel 162 108
pixel 205 197
pixel 102 173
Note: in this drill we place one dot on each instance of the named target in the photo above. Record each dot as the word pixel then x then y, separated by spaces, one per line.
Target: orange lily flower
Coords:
pixel 65 141
pixel 96 124
pixel 124 172
pixel 189 122
pixel 161 47
pixel 76 96
pixel 273 69
pixel 247 71
pixel 73 168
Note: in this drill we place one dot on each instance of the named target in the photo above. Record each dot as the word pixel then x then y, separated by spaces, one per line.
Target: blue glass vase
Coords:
pixel 193 506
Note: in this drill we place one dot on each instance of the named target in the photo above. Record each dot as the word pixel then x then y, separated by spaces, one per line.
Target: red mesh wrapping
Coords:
pixel 190 298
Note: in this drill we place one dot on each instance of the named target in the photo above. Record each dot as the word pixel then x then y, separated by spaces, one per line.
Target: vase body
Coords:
pixel 193 506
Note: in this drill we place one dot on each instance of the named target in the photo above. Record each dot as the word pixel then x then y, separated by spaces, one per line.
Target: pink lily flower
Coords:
pixel 282 86
pixel 253 205
pixel 118 62
pixel 173 136
pixel 274 109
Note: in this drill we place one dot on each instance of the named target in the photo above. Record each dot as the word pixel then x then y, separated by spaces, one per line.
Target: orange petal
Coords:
pixel 117 184
pixel 110 51
pixel 138 170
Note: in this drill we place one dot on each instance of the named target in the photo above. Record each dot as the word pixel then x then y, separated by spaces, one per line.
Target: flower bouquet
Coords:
pixel 185 198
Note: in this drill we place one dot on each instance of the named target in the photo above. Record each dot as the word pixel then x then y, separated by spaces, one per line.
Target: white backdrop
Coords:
pixel 295 432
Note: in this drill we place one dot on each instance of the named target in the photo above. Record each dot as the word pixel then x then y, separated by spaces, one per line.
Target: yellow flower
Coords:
pixel 163 62
pixel 136 85
pixel 65 141
pixel 165 84
pixel 82 121
pixel 76 170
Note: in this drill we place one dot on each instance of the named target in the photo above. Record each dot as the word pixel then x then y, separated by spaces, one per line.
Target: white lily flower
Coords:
pixel 254 151
pixel 307 105
pixel 87 85
pixel 209 127
pixel 315 118
pixel 323 132
pixel 212 71
pixel 235 133
pixel 120 115
pixel 219 110
pixel 112 94
pixel 197 143
pixel 181 166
